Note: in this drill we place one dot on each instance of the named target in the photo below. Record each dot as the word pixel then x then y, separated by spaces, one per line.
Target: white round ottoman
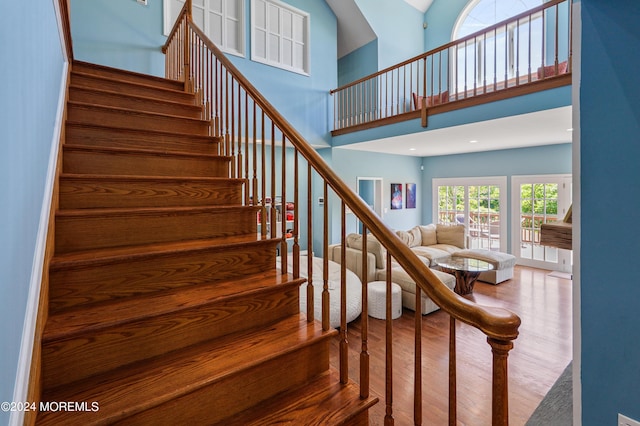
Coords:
pixel 376 291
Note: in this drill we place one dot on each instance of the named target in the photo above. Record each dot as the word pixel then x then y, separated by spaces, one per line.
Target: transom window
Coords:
pixel 280 35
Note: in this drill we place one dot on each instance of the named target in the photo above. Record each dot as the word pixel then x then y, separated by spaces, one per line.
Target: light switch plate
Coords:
pixel 144 2
pixel 626 421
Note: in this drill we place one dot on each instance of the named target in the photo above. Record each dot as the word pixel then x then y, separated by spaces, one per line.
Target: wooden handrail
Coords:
pixel 226 92
pixel 66 27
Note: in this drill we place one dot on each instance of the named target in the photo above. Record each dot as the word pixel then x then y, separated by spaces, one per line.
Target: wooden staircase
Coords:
pixel 165 304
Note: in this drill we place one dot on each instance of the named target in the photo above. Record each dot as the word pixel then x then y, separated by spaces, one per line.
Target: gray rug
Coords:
pixel 556 408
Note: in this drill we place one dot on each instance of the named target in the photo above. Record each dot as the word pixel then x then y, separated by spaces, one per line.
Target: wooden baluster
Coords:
pixel 231 130
pixel 283 224
pixel 344 343
pixel 227 139
pixel 273 225
pixel 570 36
pixel 255 193
pixel 239 172
pixel 557 36
pixel 500 397
pixel 364 321
pixel 517 49
pixel 452 373
pixel 417 383
pixel 529 53
pixel 543 43
pixel 310 290
pixel 296 200
pixel 388 418
pixel 247 198
pixel 188 87
pixel 484 63
pixel 325 261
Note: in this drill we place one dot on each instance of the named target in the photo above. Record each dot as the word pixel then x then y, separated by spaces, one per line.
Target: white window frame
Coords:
pixel 499 181
pixel 170 15
pixel 281 8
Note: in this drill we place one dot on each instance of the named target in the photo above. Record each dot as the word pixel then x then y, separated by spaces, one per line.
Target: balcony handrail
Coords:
pixel 453 43
pixel 440 77
pixel 227 95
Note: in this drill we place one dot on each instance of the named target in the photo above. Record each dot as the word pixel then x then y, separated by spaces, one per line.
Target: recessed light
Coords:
pixel 412 149
pixel 473 141
pixel 570 129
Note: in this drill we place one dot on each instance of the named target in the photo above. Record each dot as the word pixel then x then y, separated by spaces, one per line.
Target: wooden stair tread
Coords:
pixel 131 96
pixel 144 385
pixel 93 69
pixel 144 151
pixel 158 133
pixel 322 401
pixel 100 316
pixel 114 79
pixel 130 111
pixel 148 211
pixel 136 178
pixel 120 254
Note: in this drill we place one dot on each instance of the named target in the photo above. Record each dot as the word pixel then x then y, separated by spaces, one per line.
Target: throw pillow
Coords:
pixel 451 234
pixel 428 234
pixel 411 238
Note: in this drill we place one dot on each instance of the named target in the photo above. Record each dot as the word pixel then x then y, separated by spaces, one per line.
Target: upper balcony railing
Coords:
pixel 523 54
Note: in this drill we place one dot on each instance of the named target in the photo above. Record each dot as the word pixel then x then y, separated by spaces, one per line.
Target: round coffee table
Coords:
pixel 465 270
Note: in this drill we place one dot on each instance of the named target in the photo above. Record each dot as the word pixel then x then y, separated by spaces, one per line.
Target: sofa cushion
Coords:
pixel 430 253
pixel 451 249
pixel 451 234
pixel 373 246
pixel 412 237
pixel 428 234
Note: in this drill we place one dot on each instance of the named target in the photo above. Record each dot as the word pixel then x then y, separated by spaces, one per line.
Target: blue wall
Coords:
pixel 350 164
pixel 31 87
pixel 119 33
pixel 398 27
pixel 609 150
pixel 550 159
pixel 359 63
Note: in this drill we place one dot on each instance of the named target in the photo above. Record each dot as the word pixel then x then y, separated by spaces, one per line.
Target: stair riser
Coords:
pixel 87 193
pixel 77 285
pixel 142 164
pixel 89 96
pixel 123 138
pixel 118 230
pixel 135 89
pixel 126 76
pixel 131 119
pixel 240 392
pixel 93 353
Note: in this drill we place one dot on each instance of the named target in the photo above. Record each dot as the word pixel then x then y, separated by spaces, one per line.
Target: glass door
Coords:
pixel 475 203
pixel 537 200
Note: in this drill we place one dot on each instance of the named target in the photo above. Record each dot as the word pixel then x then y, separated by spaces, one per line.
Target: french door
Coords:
pixel 476 203
pixel 537 200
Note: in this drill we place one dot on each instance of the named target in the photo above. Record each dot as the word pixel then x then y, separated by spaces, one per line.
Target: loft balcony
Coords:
pixel 525 54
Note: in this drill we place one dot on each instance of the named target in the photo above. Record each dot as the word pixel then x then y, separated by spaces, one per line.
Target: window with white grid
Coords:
pixel 280 35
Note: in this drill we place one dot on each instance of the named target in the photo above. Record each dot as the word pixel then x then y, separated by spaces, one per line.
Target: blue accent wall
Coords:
pixel 119 33
pixel 359 63
pixel 609 152
pixel 550 159
pixel 350 164
pixel 398 27
pixel 440 18
pixel 31 79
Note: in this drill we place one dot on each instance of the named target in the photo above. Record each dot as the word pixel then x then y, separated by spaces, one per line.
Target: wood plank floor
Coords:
pixel 540 354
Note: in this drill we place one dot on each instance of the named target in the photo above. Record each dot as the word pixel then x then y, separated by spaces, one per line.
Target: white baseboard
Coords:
pixel 21 388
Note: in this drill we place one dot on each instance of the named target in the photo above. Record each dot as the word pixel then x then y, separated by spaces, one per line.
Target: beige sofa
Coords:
pixel 431 243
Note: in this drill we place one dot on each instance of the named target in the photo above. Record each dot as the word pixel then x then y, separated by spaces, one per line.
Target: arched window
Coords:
pixel 502 55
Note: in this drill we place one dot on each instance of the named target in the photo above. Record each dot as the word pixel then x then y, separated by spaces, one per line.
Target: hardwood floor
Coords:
pixel 540 354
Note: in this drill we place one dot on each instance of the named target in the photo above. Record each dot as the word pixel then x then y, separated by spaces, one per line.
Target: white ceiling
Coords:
pixel 546 127
pixel 421 5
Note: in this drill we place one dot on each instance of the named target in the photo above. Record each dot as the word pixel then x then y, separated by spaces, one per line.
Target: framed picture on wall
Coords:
pixel 396 196
pixel 411 195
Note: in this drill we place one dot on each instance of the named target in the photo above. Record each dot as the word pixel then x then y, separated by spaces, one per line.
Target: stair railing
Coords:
pixel 280 166
pixel 530 51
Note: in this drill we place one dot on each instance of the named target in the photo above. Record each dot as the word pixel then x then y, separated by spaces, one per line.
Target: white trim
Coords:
pixel 576 212
pixel 21 387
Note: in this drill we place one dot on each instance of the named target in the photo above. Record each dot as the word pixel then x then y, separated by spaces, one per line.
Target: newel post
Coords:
pixel 187 48
pixel 500 397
